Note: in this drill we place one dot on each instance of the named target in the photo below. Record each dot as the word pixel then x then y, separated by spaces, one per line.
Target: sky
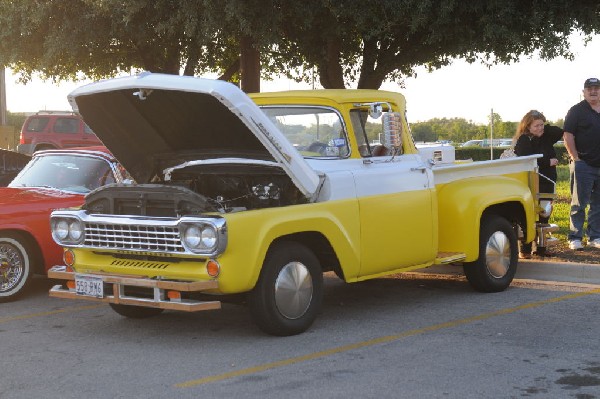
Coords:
pixel 460 90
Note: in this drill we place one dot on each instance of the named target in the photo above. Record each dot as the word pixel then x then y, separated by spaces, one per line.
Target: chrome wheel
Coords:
pixel 497 254
pixel 15 266
pixel 496 265
pixel 12 266
pixel 288 294
pixel 293 290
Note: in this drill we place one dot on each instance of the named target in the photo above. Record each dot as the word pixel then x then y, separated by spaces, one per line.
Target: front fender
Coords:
pixel 462 204
pixel 250 235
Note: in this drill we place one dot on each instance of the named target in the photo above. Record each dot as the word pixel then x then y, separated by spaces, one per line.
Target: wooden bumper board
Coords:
pixel 118 283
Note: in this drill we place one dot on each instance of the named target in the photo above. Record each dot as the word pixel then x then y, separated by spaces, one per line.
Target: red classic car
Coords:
pixel 51 180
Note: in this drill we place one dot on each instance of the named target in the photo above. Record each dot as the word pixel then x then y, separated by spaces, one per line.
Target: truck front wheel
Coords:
pixel 288 294
pixel 496 266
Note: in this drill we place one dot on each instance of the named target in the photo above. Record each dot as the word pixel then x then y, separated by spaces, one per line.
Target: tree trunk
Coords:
pixel 331 75
pixel 249 66
pixel 371 75
pixel 230 71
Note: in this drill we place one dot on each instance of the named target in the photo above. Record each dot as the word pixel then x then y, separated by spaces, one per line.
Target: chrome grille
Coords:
pixel 133 237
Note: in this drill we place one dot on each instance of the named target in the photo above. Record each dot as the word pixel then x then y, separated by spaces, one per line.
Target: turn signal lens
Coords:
pixel 69 257
pixel 213 268
pixel 174 295
pixel 71 284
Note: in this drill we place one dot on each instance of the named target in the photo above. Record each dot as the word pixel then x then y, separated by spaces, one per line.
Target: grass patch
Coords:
pixel 562 204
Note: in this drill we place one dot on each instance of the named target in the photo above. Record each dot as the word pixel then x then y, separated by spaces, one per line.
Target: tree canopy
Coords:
pixel 350 43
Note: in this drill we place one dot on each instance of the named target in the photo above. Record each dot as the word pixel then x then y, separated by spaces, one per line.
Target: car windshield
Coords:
pixel 316 132
pixel 79 174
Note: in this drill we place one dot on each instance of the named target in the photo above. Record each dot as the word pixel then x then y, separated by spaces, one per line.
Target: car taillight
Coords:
pixel 22 139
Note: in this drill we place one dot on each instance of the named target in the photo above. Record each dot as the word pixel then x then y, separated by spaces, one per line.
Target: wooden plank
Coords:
pixel 141 281
pixel 185 305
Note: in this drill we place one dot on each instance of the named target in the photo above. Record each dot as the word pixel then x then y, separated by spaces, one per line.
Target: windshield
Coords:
pixel 79 174
pixel 314 131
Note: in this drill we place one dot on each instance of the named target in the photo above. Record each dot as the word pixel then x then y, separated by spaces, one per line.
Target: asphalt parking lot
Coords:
pixel 407 336
pixel 562 272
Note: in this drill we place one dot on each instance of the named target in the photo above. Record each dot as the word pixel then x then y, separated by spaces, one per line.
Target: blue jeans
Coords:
pixel 585 190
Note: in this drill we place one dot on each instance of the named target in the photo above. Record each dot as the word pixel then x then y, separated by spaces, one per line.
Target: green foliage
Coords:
pixel 457 130
pixel 15 119
pixel 342 43
pixel 562 204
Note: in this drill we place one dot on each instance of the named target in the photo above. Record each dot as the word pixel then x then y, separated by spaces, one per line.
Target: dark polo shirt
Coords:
pixel 584 123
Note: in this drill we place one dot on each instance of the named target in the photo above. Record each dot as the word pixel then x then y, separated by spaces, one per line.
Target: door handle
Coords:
pixel 418 169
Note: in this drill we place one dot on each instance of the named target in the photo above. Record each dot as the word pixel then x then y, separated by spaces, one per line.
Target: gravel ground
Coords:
pixel 560 252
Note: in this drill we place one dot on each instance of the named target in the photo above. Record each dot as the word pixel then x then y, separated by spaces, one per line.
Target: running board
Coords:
pixel 444 258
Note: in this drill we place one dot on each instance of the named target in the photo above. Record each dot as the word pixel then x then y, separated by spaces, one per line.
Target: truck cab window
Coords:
pixel 368 133
pixel 316 132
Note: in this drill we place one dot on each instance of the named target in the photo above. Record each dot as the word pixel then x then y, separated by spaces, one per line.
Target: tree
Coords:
pixel 423 132
pixel 344 43
pixel 457 130
pixel 356 42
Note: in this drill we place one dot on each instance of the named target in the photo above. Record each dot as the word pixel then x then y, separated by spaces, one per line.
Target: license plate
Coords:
pixel 89 286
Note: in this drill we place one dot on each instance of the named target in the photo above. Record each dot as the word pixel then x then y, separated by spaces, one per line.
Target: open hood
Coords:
pixel 146 117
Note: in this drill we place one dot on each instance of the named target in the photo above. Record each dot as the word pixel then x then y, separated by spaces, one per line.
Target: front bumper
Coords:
pixel 117 285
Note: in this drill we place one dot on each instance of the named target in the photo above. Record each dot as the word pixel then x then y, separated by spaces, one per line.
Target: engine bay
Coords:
pixel 198 189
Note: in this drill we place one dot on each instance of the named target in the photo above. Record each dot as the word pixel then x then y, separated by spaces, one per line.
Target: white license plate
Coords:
pixel 89 286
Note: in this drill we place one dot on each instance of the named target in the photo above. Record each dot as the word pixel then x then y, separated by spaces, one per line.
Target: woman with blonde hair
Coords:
pixel 534 136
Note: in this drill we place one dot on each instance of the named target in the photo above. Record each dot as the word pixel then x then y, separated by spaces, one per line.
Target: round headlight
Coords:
pixel 208 237
pixel 192 236
pixel 75 230
pixel 61 229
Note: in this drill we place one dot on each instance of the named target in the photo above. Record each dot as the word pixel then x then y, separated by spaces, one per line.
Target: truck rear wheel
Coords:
pixel 288 294
pixel 498 256
pixel 135 312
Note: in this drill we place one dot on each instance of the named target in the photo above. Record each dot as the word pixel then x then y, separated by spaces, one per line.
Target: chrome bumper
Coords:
pixel 544 238
pixel 160 289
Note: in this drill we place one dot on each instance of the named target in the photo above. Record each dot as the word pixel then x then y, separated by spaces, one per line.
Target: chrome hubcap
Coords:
pixel 497 254
pixel 11 267
pixel 293 290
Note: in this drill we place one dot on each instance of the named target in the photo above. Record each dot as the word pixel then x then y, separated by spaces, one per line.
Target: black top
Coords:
pixel 584 123
pixel 528 144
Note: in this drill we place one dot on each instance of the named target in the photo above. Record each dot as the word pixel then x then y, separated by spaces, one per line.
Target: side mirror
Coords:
pixel 392 130
pixel 375 110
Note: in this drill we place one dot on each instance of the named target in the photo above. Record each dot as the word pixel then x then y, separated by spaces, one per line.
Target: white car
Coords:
pixel 472 143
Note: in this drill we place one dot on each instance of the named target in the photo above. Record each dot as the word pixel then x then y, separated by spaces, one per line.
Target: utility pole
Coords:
pixel 492 134
pixel 2 96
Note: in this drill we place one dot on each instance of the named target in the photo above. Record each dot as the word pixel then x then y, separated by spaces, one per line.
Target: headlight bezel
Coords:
pixel 72 228
pixel 201 236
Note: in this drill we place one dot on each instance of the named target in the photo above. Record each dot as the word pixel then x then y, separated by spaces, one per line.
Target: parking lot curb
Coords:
pixel 538 270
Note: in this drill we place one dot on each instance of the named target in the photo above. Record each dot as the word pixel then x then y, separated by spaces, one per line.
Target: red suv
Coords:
pixel 55 129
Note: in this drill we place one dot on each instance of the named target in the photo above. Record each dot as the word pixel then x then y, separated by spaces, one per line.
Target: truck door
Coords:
pixel 397 213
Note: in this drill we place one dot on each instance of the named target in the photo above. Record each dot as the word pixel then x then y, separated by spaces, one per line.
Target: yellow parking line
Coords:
pixel 376 341
pixel 48 313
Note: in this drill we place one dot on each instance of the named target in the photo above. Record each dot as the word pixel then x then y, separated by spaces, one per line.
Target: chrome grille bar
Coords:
pixel 141 233
pixel 133 237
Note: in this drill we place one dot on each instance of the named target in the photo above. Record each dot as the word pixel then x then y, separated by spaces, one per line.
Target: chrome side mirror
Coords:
pixel 392 130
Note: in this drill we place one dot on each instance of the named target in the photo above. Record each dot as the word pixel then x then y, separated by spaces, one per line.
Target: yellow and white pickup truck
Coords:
pixel 262 194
